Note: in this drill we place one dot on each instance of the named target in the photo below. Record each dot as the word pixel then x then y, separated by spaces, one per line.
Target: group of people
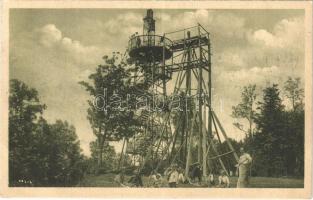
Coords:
pixel 174 175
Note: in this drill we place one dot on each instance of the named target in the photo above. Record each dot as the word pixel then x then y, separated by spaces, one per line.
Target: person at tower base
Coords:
pixel 172 175
pixel 181 176
pixel 210 180
pixel 197 172
pixel 136 180
pixel 243 167
pixel 119 178
pixel 155 179
pixel 223 180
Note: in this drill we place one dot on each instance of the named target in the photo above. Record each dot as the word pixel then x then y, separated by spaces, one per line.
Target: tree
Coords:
pixel 295 130
pixel 24 109
pixel 108 155
pixel 115 119
pixel 294 135
pixel 65 158
pixel 39 153
pixel 245 109
pixel 294 92
pixel 270 142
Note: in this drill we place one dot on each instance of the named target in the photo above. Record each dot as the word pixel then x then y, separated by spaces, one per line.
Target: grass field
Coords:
pixel 106 180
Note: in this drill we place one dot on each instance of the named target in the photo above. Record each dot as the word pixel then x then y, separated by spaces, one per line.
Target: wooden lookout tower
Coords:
pixel 183 60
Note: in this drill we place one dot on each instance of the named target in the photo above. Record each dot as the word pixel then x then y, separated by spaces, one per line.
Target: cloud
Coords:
pixel 282 46
pixel 51 37
pixel 230 58
pixel 124 24
pixel 218 24
pixel 54 64
pixel 256 75
pixel 288 33
pixel 267 38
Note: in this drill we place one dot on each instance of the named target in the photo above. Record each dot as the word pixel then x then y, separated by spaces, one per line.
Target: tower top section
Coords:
pixel 149 23
pixel 149 47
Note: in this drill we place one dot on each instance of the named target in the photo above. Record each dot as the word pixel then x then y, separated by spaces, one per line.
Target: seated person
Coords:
pixel 119 178
pixel 196 173
pixel 159 181
pixel 155 179
pixel 173 176
pixel 136 180
pixel 167 170
pixel 181 176
pixel 210 180
pixel 223 180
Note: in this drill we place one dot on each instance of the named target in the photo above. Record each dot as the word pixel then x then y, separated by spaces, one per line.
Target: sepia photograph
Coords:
pixel 150 97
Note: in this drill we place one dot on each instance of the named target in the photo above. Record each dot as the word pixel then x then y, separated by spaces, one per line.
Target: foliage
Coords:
pixel 116 120
pixel 277 147
pixel 23 111
pixel 40 154
pixel 271 128
pixel 245 109
pixel 294 93
pixel 108 157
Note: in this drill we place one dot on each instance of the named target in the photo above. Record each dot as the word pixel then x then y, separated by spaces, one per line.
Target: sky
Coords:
pixel 53 49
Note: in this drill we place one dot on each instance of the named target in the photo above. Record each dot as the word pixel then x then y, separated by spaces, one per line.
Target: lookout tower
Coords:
pixel 184 61
pixel 149 47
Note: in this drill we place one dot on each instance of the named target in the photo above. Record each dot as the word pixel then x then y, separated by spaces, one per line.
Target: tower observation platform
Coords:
pixel 149 47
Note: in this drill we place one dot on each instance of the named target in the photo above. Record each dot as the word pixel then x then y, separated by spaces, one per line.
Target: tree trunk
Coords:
pixel 250 125
pixel 101 139
pixel 100 158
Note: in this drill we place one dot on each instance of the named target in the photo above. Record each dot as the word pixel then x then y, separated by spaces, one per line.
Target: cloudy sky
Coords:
pixel 53 49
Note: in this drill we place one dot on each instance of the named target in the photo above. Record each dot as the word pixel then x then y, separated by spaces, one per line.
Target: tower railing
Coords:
pixel 148 41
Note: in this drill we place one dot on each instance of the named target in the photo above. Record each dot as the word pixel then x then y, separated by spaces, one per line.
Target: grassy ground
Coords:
pixel 106 180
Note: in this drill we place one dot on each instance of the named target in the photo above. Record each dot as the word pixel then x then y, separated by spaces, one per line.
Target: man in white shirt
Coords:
pixel 210 180
pixel 181 176
pixel 173 176
pixel 243 167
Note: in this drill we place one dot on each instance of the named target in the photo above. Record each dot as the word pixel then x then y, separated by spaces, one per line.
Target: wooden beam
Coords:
pixel 225 136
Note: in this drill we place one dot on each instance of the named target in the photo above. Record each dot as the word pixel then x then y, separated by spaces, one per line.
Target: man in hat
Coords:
pixel 243 167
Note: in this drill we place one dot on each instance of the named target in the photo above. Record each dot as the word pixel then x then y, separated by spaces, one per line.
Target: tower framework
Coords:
pixel 181 58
